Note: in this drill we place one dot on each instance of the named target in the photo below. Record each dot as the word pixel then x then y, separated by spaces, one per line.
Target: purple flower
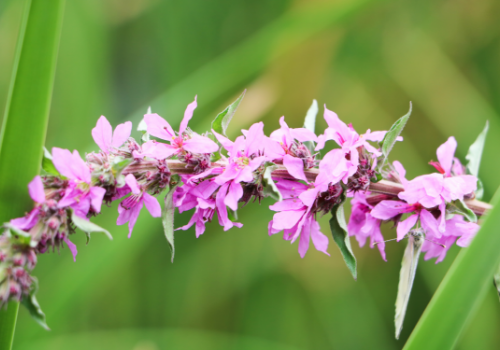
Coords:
pixel 363 225
pixel 131 206
pixel 106 139
pixel 80 195
pixel 184 140
pixel 283 147
pixel 37 193
pixel 295 219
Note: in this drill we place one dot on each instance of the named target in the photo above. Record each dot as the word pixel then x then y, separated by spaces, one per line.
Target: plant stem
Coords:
pixel 385 187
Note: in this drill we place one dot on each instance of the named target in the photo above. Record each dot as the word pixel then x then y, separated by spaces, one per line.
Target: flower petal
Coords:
pixel 188 114
pixel 295 167
pixel 71 246
pixel 121 134
pixel 234 193
pixel 405 226
pixel 35 188
pixel 445 154
pixel 96 197
pixel 159 127
pixel 103 133
pixel 152 205
pixel 132 183
pixel 200 144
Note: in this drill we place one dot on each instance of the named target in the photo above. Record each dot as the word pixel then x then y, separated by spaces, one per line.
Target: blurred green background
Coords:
pixel 242 289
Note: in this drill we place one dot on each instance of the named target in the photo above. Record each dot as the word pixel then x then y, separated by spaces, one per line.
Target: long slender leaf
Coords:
pixel 476 151
pixel 341 237
pixel 25 121
pixel 393 133
pixel 462 290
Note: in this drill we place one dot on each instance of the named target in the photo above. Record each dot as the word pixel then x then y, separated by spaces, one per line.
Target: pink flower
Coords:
pixel 37 193
pixel 184 140
pixel 450 166
pixel 348 139
pixel 80 194
pixel 363 225
pixel 131 206
pixel 283 146
pixel 295 218
pixel 106 139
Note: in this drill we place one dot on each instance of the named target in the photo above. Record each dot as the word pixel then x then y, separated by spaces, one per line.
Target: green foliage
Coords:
pixel 167 214
pixel 393 133
pixel 88 226
pixel 474 156
pixel 341 237
pixel 33 307
pixel 221 122
pixel 25 121
pixel 460 207
pixel 269 186
pixel 48 165
pixel 310 122
pixel 462 289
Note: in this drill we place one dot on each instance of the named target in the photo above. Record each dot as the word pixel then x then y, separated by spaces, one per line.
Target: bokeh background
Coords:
pixel 242 289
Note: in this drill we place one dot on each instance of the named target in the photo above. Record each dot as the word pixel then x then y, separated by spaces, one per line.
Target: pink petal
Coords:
pixel 123 215
pixel 134 214
pixel 295 167
pixel 255 140
pixel 71 246
pixel 405 226
pixel 224 141
pixel 188 114
pixel 319 240
pixel 200 144
pixel 80 168
pixel 152 205
pixel 287 204
pixel 304 240
pixel 156 150
pixel 303 135
pixel 386 210
pixel 35 188
pixel 96 197
pixel 159 127
pixel 132 183
pixel 287 219
pixel 63 161
pixel 429 224
pixel 445 154
pixel 234 194
pixel 401 171
pixel 103 133
pixel 121 134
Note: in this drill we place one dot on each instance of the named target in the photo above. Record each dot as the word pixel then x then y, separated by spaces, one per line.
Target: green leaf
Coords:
pixel 221 122
pixel 24 126
pixel 459 207
pixel 407 276
pixel 341 237
pixel 21 236
pixel 480 190
pixel 88 227
pixel 310 123
pixel 310 120
pixel 232 214
pixel 167 214
pixel 143 128
pixel 462 290
pixel 269 186
pixel 393 133
pixel 33 307
pixel 496 280
pixel 476 151
pixel 48 165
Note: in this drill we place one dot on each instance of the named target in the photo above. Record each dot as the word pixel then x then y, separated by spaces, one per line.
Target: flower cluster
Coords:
pixel 213 175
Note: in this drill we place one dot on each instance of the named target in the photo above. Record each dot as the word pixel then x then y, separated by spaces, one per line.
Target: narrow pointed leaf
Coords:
pixel 406 277
pixel 393 133
pixel 22 136
pixel 459 207
pixel 269 186
pixel 31 304
pixel 496 280
pixel 310 120
pixel 88 227
pixel 167 214
pixel 47 164
pixel 462 290
pixel 341 237
pixel 221 122
pixel 475 152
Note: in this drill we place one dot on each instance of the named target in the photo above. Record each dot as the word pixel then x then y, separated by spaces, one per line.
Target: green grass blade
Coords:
pixel 462 290
pixel 25 121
